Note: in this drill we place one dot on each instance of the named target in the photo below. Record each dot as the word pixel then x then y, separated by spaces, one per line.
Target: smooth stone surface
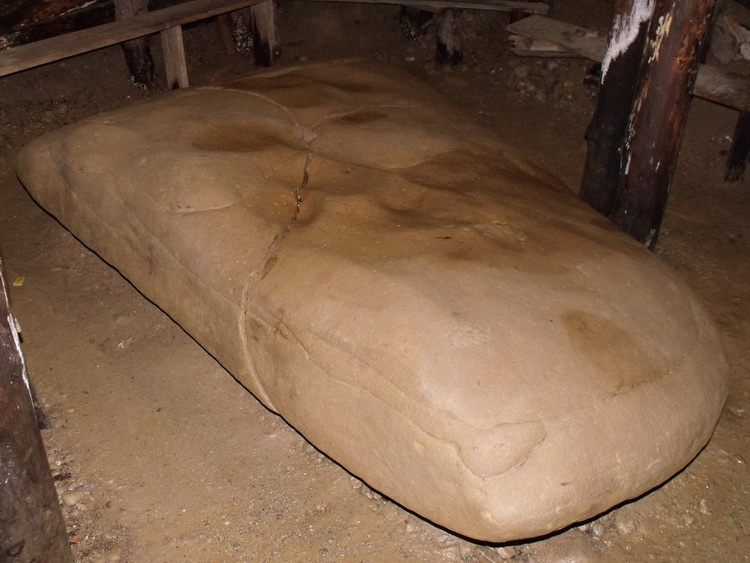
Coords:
pixel 438 315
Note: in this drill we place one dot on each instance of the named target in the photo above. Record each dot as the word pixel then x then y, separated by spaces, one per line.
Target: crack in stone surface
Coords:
pixel 285 110
pixel 270 258
pixel 266 264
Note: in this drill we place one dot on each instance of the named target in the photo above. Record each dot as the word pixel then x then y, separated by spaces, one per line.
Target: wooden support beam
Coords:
pixel 225 28
pixel 450 42
pixel 437 5
pixel 721 87
pixel 139 61
pixel 635 134
pixel 31 523
pixel 25 21
pixel 174 57
pixel 573 38
pixel 137 51
pixel 264 32
pixel 56 48
pixel 670 63
pixel 714 84
pixel 740 149
pixel 607 130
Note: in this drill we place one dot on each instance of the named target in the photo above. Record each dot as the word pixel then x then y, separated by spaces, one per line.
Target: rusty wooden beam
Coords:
pixel 607 130
pixel 670 63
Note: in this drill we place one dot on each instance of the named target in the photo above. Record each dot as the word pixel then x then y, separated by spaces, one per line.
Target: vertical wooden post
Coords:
pixel 137 51
pixel 174 57
pixel 31 523
pixel 676 38
pixel 607 130
pixel 264 33
pixel 225 29
pixel 450 43
pixel 740 149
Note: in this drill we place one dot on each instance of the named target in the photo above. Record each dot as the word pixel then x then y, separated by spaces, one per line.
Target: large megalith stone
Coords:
pixel 439 316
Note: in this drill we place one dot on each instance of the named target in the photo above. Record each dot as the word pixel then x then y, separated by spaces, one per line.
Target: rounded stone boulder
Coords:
pixel 436 314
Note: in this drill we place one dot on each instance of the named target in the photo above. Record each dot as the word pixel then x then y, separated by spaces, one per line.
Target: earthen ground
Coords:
pixel 175 461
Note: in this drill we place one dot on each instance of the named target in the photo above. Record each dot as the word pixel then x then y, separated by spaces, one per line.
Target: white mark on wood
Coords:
pixel 81 7
pixel 625 31
pixel 665 24
pixel 14 331
pixel 17 341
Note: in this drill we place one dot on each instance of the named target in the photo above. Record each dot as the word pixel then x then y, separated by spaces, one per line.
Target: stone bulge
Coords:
pixel 439 316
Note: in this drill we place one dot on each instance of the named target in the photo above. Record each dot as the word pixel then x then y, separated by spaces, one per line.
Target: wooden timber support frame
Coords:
pixel 635 78
pixel 168 22
pixel 31 522
pixel 648 74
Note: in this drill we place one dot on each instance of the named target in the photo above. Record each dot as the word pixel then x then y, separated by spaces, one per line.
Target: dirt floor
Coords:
pixel 160 456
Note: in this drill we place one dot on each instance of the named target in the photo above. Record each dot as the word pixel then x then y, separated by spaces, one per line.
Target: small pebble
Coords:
pixel 450 553
pixel 736 411
pixel 625 525
pixel 521 71
pixel 597 529
pixel 442 537
pixel 505 553
pixel 370 494
pixel 71 498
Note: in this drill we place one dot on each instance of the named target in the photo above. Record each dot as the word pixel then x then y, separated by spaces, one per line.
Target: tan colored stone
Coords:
pixel 436 314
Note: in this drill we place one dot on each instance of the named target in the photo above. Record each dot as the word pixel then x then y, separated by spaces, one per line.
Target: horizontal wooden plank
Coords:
pixel 25 22
pixel 530 47
pixel 573 38
pixel 436 5
pixel 722 87
pixel 34 54
pixel 712 83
